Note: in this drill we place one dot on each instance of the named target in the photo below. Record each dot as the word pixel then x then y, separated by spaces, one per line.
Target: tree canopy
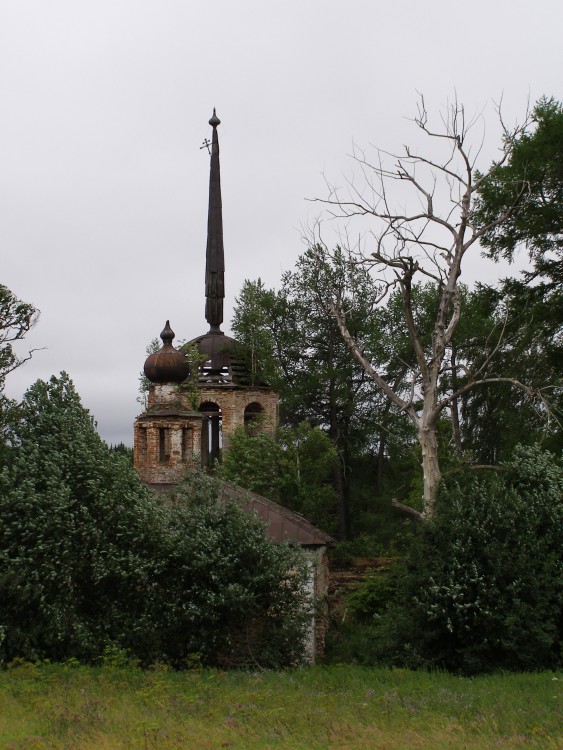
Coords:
pixel 90 559
pixel 530 184
pixel 481 588
pixel 423 239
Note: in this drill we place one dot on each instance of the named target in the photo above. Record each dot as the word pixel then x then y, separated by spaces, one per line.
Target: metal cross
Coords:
pixel 206 144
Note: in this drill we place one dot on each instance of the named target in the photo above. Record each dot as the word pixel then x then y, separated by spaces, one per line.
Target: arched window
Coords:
pixel 211 434
pixel 253 415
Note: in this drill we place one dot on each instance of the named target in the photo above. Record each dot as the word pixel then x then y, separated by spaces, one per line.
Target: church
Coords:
pixel 184 427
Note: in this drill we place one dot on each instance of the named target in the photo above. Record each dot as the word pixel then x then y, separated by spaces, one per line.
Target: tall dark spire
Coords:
pixel 215 256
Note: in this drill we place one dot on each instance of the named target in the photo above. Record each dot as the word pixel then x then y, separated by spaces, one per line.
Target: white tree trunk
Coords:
pixel 428 439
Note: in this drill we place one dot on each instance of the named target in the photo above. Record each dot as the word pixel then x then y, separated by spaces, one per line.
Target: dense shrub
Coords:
pixel 90 560
pixel 482 587
pixel 228 594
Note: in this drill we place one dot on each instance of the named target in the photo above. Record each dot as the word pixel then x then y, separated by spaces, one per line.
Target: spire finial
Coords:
pixel 167 335
pixel 215 257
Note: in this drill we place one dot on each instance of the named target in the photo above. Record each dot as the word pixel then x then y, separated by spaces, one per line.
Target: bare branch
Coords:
pixel 361 359
pixel 416 514
pixel 476 467
pixel 530 392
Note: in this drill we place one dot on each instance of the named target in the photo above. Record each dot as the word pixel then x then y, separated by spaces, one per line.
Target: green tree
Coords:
pixel 256 320
pixel 294 342
pixel 531 184
pixel 294 468
pixel 518 334
pixel 228 594
pixel 75 535
pixel 90 559
pixel 482 587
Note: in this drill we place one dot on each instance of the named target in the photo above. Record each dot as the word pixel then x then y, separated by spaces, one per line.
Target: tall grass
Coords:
pixel 116 707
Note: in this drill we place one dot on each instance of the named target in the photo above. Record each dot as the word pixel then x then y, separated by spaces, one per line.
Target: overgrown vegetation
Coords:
pixel 17 318
pixel 294 468
pixel 90 560
pixel 481 588
pixel 475 370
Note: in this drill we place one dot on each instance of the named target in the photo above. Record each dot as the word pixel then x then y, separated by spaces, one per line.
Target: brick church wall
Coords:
pixel 233 403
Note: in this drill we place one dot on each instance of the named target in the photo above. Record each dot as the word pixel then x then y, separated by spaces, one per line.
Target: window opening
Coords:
pixel 253 415
pixel 211 434
pixel 163 444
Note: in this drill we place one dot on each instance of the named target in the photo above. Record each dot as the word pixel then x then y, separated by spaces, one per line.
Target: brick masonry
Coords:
pixel 168 440
pixel 168 435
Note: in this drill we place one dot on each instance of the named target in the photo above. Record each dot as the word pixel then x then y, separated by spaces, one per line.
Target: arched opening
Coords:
pixel 211 434
pixel 253 415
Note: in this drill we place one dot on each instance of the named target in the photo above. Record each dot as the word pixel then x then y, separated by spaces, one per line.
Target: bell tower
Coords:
pixel 229 395
pixel 171 435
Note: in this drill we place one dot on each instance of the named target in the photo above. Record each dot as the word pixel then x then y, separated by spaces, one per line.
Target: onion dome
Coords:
pixel 167 365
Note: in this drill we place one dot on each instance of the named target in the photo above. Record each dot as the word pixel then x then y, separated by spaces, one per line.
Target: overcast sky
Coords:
pixel 104 105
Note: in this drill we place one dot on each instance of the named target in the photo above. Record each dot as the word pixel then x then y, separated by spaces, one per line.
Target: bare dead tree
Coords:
pixel 426 244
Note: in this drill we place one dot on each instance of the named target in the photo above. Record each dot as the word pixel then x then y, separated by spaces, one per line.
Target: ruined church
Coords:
pixel 183 426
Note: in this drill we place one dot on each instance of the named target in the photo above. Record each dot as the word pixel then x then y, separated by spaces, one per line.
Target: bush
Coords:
pixel 482 587
pixel 90 560
pixel 353 635
pixel 227 593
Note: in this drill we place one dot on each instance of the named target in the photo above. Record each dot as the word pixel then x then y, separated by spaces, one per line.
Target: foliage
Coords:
pixel 255 323
pixel 190 386
pixel 152 347
pixel 500 331
pixel 232 596
pixel 76 533
pixel 482 587
pixel 123 450
pixel 89 559
pixel 532 181
pixel 17 318
pixel 292 340
pixel 517 331
pixel 294 468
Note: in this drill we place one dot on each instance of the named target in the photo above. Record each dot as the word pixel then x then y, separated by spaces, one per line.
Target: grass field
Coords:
pixel 69 706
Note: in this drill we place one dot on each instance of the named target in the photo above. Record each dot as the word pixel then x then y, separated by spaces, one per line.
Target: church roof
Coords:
pixel 215 254
pixel 223 362
pixel 282 524
pixel 167 365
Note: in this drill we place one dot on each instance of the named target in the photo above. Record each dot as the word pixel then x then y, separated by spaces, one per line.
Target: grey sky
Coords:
pixel 103 187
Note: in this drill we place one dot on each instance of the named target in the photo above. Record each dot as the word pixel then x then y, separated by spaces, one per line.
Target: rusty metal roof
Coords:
pixel 167 365
pixel 174 409
pixel 282 524
pixel 223 363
